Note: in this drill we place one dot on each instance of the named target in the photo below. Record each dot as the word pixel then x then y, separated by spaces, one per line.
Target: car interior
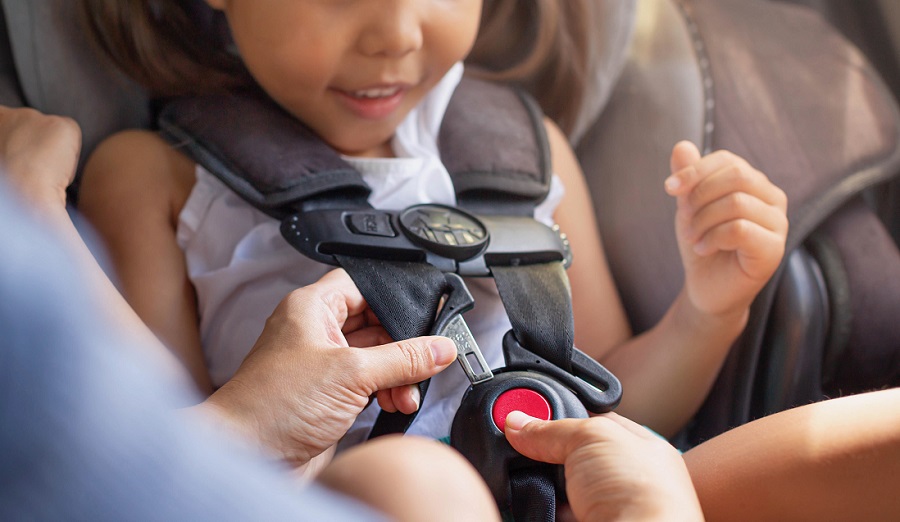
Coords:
pixel 805 89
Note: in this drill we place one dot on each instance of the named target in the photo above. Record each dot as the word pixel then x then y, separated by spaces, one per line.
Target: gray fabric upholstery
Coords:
pixel 615 24
pixel 61 74
pixel 800 103
pixel 9 84
pixel 869 351
pixel 657 101
pixel 777 85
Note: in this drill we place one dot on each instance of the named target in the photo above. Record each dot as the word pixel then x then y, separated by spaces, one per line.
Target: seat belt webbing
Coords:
pixel 405 297
pixel 533 494
pixel 539 305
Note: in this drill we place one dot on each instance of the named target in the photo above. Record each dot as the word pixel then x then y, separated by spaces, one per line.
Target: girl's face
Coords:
pixel 351 69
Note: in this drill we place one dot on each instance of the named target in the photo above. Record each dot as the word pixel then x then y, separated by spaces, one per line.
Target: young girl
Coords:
pixel 372 81
pixel 372 78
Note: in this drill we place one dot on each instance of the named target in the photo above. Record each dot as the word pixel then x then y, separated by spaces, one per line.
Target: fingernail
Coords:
pixel 416 396
pixel 444 350
pixel 518 420
pixel 672 183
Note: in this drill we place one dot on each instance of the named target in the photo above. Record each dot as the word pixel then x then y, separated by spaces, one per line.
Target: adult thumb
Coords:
pixel 544 441
pixel 407 362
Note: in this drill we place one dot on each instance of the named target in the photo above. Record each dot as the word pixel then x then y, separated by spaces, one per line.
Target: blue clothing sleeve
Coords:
pixel 87 429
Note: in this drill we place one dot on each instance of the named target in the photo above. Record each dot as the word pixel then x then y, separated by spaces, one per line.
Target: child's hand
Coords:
pixel 38 153
pixel 731 226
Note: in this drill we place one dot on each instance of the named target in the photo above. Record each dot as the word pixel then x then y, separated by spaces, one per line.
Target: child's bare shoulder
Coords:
pixel 137 167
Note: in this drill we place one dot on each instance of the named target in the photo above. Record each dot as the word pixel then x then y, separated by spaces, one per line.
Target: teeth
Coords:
pixel 377 93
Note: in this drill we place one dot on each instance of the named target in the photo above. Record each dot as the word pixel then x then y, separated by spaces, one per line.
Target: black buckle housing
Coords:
pixel 590 388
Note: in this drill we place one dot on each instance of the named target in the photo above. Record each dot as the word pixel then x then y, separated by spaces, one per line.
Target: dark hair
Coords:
pixel 541 45
pixel 181 47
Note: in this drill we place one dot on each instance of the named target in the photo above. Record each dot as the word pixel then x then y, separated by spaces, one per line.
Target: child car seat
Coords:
pixel 775 84
pixel 771 82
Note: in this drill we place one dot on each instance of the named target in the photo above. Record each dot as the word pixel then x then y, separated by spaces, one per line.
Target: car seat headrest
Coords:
pixel 614 22
pixel 60 73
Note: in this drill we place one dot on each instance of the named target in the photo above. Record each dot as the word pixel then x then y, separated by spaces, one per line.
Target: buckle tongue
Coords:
pixel 459 332
pixel 450 323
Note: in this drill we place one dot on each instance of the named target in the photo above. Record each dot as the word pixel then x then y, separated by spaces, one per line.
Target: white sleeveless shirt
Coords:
pixel 241 267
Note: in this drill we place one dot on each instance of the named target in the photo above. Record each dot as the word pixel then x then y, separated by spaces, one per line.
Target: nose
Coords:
pixel 394 29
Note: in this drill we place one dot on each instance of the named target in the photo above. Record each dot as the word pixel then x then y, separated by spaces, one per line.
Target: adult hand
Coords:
pixel 615 468
pixel 731 226
pixel 39 153
pixel 307 378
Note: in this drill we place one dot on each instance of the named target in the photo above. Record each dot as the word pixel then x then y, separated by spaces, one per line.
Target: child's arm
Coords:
pixel 133 189
pixel 738 217
pixel 39 154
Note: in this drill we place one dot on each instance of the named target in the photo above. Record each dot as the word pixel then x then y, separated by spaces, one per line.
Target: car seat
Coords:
pixel 777 85
pixel 769 81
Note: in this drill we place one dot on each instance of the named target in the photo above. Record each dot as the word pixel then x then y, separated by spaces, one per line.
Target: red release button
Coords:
pixel 521 399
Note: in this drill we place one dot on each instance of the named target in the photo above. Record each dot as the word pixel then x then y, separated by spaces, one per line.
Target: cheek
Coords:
pixel 287 65
pixel 275 43
pixel 457 38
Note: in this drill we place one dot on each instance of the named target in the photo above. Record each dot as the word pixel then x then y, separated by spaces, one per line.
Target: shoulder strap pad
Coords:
pixel 494 144
pixel 261 152
pixel 492 141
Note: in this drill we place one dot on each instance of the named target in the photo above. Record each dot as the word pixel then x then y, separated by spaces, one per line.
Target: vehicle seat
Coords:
pixel 771 82
pixel 774 83
pixel 53 69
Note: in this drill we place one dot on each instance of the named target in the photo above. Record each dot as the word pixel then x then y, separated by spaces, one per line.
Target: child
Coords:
pixel 829 458
pixel 368 80
pixel 372 79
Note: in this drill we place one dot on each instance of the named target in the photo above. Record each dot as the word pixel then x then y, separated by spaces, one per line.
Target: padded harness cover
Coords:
pixel 492 141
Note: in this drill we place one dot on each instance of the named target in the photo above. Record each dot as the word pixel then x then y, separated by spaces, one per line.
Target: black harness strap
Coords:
pixel 509 172
pixel 404 295
pixel 539 306
pixel 534 495
pixel 260 152
pixel 405 298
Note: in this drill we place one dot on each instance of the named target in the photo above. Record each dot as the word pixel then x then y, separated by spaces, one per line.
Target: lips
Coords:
pixel 379 92
pixel 373 102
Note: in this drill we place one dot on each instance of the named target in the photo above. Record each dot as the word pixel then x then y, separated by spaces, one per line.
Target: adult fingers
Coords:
pixel 554 441
pixel 367 336
pixel 402 362
pixel 338 291
pixel 405 399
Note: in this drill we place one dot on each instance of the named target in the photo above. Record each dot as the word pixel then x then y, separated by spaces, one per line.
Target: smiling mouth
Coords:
pixel 381 92
pixel 374 102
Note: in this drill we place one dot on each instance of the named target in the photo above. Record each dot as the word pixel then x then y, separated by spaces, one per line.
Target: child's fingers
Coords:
pixel 758 248
pixel 682 181
pixel 737 178
pixel 684 154
pixel 732 207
